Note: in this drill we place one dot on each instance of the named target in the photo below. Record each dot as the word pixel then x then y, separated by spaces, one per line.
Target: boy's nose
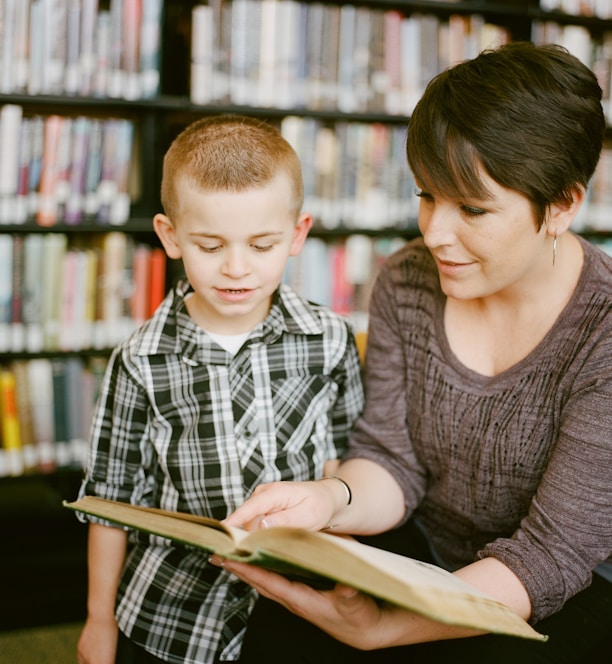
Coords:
pixel 235 264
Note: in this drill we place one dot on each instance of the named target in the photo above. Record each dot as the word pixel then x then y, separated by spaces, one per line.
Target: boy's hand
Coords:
pixel 309 505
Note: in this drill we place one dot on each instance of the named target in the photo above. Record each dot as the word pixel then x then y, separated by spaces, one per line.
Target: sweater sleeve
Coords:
pixel 381 433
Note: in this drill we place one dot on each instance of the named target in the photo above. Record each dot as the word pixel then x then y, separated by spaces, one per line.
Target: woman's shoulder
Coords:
pixel 598 264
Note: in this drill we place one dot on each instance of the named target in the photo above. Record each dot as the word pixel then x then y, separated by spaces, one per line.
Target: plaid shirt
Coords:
pixel 183 425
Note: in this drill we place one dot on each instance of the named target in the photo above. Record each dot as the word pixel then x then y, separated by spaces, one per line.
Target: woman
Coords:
pixel 487 430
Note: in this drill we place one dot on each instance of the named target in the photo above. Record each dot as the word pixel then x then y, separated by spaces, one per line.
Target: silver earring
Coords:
pixel 554 250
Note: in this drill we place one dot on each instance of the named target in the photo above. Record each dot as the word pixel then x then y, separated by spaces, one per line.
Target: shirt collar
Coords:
pixel 172 330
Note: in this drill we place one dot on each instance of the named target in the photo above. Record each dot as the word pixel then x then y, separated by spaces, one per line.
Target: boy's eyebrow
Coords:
pixel 216 236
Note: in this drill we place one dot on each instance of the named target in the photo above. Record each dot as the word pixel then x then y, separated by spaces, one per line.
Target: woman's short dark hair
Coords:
pixel 530 115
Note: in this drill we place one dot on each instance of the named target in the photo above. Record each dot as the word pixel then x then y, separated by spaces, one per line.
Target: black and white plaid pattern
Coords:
pixel 183 425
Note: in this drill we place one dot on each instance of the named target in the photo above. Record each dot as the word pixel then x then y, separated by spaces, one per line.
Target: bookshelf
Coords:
pixel 338 79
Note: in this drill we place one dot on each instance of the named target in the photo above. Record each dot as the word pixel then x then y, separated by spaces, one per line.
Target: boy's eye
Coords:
pixel 262 247
pixel 210 249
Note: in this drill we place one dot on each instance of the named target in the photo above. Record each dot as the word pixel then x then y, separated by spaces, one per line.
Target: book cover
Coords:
pixel 322 559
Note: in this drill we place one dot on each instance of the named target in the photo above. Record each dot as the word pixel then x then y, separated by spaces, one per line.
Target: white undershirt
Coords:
pixel 229 342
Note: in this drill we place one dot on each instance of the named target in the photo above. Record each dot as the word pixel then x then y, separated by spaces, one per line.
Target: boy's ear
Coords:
pixel 302 228
pixel 561 216
pixel 166 232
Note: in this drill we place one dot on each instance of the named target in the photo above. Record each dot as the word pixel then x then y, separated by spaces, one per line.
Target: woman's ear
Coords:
pixel 302 228
pixel 560 215
pixel 165 231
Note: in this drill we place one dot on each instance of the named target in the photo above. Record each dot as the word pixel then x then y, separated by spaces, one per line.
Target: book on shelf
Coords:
pixel 202 55
pixel 81 47
pixel 150 47
pixel 55 246
pixel 40 383
pixel 6 294
pixel 12 458
pixel 87 40
pixel 157 279
pixel 322 559
pixel 24 414
pixel 11 118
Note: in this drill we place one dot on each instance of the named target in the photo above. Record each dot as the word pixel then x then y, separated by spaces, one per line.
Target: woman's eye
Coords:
pixel 472 211
pixel 424 195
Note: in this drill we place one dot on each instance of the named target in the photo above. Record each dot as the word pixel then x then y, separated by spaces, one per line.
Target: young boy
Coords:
pixel 233 382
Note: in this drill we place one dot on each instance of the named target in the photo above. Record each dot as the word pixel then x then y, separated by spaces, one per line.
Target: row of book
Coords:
pixel 59 168
pixel 356 177
pixel 355 174
pixel 598 8
pixel 290 54
pixel 340 274
pixel 109 48
pixel 46 407
pixel 58 294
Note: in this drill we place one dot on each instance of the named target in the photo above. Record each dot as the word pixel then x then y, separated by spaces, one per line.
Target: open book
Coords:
pixel 322 559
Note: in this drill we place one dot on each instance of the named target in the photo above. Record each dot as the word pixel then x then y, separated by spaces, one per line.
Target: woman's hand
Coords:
pixel 344 613
pixel 309 505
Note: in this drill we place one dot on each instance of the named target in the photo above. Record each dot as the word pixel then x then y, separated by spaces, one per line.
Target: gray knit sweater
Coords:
pixel 517 466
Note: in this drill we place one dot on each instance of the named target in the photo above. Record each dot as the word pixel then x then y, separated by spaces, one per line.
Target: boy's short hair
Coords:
pixel 228 153
pixel 530 115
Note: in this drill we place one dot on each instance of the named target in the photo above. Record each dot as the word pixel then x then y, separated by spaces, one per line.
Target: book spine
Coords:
pixel 202 54
pixel 130 49
pixel 87 60
pixel 47 197
pixel 32 292
pixel 120 206
pixel 150 47
pixel 40 381
pixel 6 291
pixel 157 280
pixel 78 170
pixel 139 303
pixel 11 117
pixel 60 414
pixel 7 70
pixel 73 47
pixel 17 327
pixel 11 435
pixel 25 415
pixel 54 41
